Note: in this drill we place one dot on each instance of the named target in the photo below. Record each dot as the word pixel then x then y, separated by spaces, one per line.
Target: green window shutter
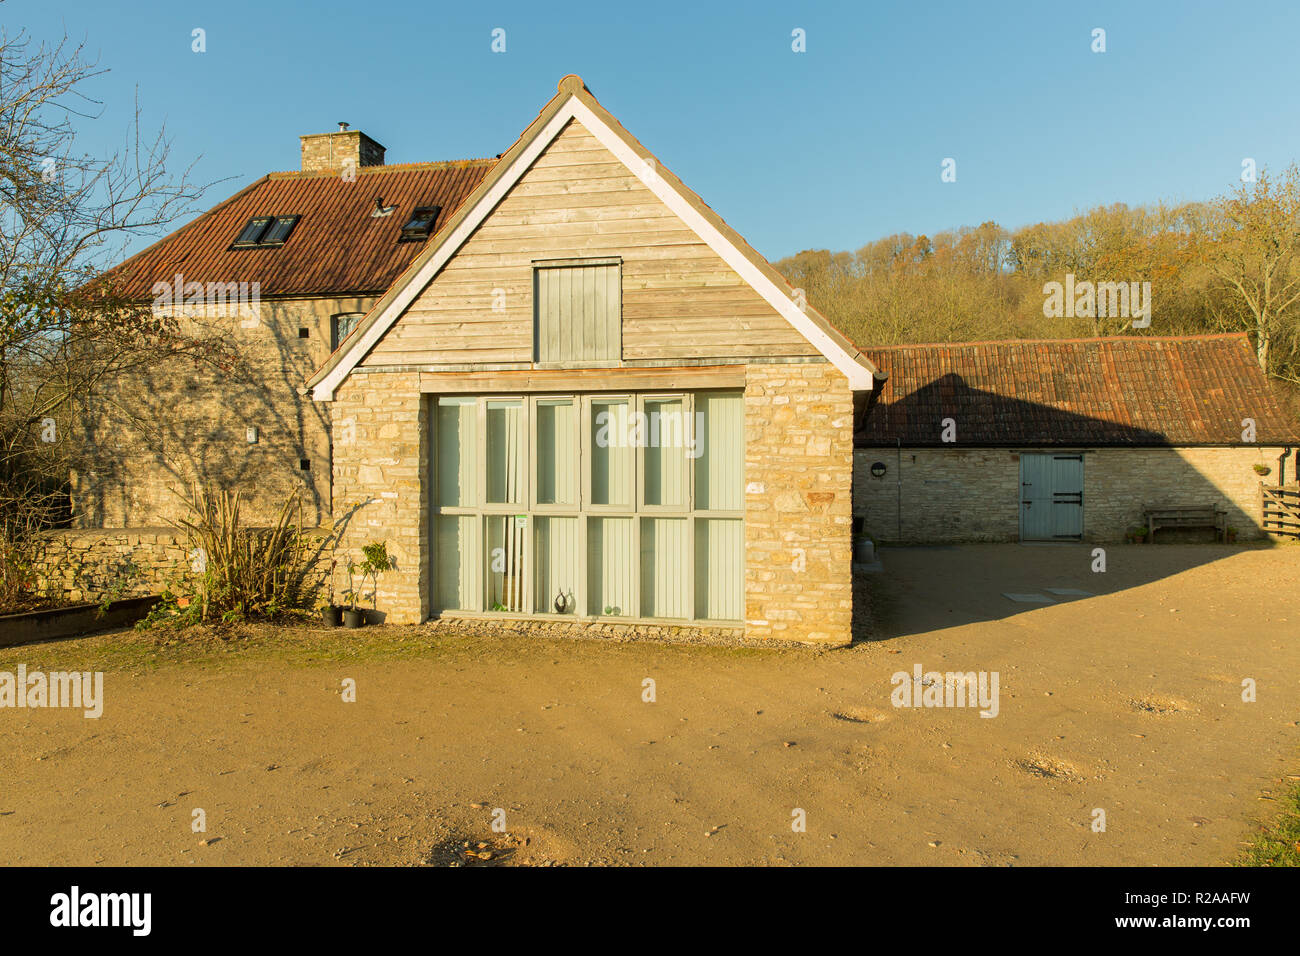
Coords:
pixel 578 313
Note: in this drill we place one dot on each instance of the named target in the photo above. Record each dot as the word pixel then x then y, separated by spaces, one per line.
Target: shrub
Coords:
pixel 21 540
pixel 237 573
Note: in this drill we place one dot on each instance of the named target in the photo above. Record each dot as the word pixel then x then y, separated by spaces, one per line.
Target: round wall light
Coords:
pixel 878 469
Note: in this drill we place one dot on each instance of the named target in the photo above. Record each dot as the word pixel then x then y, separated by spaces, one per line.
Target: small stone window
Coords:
pixel 343 324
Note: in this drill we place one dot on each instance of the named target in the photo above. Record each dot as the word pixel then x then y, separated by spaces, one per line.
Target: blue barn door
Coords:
pixel 1051 497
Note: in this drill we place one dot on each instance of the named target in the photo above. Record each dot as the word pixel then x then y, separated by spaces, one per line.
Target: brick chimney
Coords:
pixel 323 152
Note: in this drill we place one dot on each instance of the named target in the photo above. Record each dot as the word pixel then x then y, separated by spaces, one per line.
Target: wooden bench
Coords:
pixel 1187 516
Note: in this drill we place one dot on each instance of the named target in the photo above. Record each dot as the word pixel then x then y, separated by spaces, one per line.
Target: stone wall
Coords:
pixel 798 473
pixel 798 516
pixel 164 429
pixel 381 455
pixel 89 565
pixel 956 494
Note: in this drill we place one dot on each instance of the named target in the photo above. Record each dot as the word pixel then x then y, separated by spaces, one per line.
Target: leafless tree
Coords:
pixel 66 215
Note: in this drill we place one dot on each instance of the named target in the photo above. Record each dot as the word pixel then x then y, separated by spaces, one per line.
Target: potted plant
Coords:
pixel 1231 534
pixel 1262 470
pixel 353 616
pixel 376 562
pixel 1140 535
pixel 331 614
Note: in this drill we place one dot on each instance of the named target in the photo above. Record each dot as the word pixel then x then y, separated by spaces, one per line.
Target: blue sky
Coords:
pixel 831 147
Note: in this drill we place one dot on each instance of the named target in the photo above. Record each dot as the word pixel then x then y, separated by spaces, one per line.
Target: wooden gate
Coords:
pixel 1280 509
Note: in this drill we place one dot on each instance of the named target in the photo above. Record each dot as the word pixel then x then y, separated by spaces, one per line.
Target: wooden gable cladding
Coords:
pixel 576 201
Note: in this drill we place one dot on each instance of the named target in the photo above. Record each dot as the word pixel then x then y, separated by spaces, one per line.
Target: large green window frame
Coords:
pixel 626 505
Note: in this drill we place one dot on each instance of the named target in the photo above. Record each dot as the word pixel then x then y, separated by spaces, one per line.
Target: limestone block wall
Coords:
pixel 381 456
pixel 942 495
pixel 798 514
pixel 170 426
pixel 90 564
pixel 1118 482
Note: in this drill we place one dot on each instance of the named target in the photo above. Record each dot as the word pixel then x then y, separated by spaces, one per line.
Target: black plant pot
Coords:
pixel 331 615
pixel 354 617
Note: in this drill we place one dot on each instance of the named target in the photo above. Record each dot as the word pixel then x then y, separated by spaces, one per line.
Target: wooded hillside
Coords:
pixel 1231 264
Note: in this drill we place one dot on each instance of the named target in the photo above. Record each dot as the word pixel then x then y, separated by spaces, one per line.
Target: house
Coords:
pixel 577 394
pixel 1066 439
pixel 307 253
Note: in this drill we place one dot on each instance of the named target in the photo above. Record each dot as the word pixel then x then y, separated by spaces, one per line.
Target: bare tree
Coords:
pixel 65 216
pixel 1252 250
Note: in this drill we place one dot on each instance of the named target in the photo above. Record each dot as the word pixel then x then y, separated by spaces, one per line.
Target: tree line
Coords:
pixel 1229 264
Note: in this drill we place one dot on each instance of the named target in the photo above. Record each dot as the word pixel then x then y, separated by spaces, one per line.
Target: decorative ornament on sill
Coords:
pixel 561 603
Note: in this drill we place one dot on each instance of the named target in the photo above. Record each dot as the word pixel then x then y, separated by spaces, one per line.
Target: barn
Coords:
pixel 1068 440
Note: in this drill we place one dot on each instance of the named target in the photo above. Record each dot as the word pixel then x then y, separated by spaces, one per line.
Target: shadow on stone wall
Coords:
pixel 166 429
pixel 1126 468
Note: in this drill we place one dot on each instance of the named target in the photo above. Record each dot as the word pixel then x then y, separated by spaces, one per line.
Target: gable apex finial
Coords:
pixel 571 83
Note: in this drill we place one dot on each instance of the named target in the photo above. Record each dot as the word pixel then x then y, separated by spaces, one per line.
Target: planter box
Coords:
pixel 71 621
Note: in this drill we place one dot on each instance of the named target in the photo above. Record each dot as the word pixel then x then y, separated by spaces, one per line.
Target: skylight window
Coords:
pixel 251 234
pixel 263 231
pixel 420 225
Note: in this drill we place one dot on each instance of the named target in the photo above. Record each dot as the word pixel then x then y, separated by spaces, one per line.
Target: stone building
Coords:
pixel 283 270
pixel 1062 440
pixel 556 384
pixel 559 387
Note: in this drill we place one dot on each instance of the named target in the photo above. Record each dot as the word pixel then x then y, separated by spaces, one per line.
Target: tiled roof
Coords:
pixel 336 248
pixel 1122 390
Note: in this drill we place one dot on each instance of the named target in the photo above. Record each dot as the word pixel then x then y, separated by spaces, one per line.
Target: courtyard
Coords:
pixel 1126 698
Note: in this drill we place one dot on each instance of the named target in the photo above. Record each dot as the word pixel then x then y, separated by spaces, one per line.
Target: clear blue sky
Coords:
pixel 828 148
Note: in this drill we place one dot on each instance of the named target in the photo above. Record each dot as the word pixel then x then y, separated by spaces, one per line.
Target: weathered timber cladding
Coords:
pixel 680 300
pixel 578 316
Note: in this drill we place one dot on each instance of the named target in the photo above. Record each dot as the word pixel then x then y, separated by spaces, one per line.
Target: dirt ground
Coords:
pixel 1129 701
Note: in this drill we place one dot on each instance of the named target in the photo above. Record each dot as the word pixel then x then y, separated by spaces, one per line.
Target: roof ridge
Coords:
pixel 385 168
pixel 1049 341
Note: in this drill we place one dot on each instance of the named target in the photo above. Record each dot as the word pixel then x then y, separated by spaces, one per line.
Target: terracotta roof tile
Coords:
pixel 337 247
pixel 1190 390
